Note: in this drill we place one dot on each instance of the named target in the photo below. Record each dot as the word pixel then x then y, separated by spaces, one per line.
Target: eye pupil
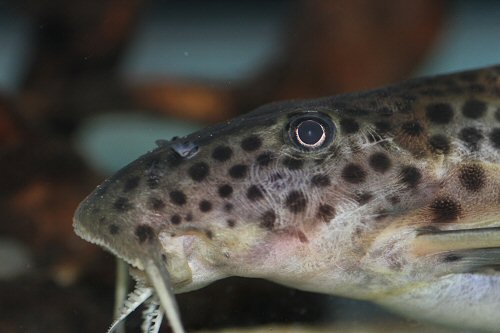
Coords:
pixel 310 133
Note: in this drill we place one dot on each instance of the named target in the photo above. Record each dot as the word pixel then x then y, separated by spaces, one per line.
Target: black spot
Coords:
pixel 445 209
pixel 156 204
pixel 349 125
pixel 265 158
pixel 231 223
pixel 225 191
pixel 363 197
pixel 471 136
pixel 114 229
pixel 440 113
pixel 205 206
pixel 254 193
pixel 228 207
pixel 177 197
pixel 122 204
pixel 251 143
pixel 198 171
pixel 144 233
pixel 474 109
pixel 131 184
pixel 292 163
pixel 189 217
pixel 353 173
pixel 268 219
pixel 320 180
pixel 296 202
pixel 238 171
pixel 380 162
pixel 439 144
pixel 410 176
pixel 495 138
pixel 472 177
pixel 497 114
pixel 176 219
pixel 326 212
pixel 383 127
pixel 412 128
pixel 222 153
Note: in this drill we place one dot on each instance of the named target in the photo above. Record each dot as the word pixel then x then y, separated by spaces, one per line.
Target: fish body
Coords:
pixel 390 195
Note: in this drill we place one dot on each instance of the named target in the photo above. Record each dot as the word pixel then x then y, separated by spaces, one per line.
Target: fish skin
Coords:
pixel 388 211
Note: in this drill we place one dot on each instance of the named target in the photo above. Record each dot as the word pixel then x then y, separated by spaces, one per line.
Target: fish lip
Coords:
pixel 81 232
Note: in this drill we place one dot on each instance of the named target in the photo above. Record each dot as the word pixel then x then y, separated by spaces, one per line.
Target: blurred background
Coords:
pixel 87 86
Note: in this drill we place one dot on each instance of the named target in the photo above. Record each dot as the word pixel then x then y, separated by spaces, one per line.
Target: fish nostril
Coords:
pixel 185 149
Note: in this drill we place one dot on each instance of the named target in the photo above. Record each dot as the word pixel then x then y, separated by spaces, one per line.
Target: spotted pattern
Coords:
pixel 176 219
pixel 445 209
pixel 205 206
pixel 254 193
pixel 326 212
pixel 296 202
pixel 198 171
pixel 268 219
pixel 144 233
pixel 439 144
pixel 225 191
pixel 410 176
pixel 122 205
pixel 471 136
pixel 472 177
pixel 222 153
pixel 265 158
pixel 474 109
pixel 353 173
pixel 251 143
pixel 156 204
pixel 131 184
pixel 238 171
pixel 439 113
pixel 178 198
pixel 380 162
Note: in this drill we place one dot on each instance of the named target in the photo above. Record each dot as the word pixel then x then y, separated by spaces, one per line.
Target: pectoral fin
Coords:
pixel 463 251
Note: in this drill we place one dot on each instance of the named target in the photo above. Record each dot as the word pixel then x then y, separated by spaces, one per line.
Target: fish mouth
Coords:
pixel 84 234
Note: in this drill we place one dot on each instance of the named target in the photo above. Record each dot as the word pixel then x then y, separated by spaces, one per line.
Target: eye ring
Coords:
pixel 311 131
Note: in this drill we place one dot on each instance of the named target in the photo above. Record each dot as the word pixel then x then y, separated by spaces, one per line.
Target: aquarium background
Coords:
pixel 86 87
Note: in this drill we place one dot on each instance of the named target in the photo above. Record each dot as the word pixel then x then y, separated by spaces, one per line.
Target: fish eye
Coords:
pixel 311 132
